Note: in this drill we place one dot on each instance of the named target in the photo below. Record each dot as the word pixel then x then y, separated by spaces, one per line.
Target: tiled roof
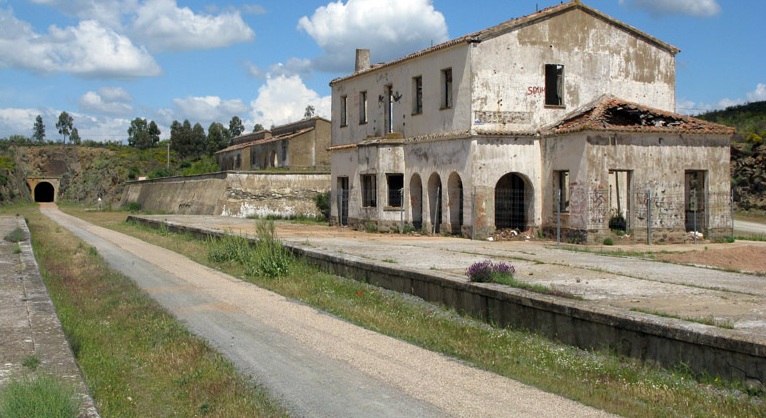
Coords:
pixel 265 140
pixel 609 113
pixel 511 25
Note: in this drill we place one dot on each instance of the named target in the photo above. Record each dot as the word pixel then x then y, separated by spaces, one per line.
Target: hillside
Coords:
pixel 748 153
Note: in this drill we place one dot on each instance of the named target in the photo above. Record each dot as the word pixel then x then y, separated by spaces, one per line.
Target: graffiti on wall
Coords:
pixel 597 208
pixel 534 90
pixel 501 117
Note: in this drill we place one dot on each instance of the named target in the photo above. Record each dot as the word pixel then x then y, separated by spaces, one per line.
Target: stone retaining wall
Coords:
pixel 231 193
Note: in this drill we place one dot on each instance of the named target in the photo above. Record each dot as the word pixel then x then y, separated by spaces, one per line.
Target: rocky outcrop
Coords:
pixel 748 176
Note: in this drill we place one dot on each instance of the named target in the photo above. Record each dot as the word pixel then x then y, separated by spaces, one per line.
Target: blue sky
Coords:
pixel 107 62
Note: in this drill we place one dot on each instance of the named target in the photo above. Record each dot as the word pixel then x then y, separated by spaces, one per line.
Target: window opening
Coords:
pixel 446 88
pixel 395 183
pixel 554 85
pixel 363 107
pixel 343 111
pixel 417 86
pixel 561 188
pixel 369 190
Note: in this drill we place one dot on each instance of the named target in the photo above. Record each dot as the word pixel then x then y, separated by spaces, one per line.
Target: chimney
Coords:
pixel 362 60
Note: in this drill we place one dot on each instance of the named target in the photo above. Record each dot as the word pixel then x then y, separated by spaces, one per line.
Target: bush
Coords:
pixel 230 248
pixel 133 207
pixel 15 236
pixel 608 241
pixel 486 271
pixel 271 259
pixel 322 200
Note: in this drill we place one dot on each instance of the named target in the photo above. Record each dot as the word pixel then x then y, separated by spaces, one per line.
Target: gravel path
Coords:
pixel 317 364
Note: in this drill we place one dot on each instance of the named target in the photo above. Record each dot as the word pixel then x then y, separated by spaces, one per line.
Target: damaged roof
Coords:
pixel 609 113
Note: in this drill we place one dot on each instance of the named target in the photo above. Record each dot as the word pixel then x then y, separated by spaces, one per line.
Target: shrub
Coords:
pixel 608 241
pixel 15 236
pixel 271 259
pixel 487 271
pixel 322 200
pixel 133 207
pixel 230 248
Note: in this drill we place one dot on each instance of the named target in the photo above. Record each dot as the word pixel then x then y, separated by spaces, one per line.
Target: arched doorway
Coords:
pixel 435 201
pixel 44 192
pixel 455 202
pixel 511 202
pixel 416 201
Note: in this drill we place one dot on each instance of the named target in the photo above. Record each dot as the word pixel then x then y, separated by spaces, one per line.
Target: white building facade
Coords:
pixel 457 138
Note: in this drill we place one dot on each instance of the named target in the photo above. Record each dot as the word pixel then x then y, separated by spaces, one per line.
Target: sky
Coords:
pixel 106 62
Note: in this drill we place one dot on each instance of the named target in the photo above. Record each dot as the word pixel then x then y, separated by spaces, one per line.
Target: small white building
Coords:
pixel 478 134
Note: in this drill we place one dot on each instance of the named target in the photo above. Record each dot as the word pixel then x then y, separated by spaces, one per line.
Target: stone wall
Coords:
pixel 230 193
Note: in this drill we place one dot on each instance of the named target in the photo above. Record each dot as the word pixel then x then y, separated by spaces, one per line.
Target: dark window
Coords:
pixel 417 87
pixel 395 184
pixel 343 111
pixel 554 85
pixel 446 78
pixel 363 107
pixel 369 191
pixel 561 190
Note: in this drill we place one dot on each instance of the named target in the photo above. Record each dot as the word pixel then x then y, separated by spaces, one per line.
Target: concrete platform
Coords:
pixel 617 292
pixel 29 326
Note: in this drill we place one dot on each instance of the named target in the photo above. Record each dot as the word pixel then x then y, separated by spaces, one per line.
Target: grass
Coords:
pixel 600 379
pixel 727 324
pixel 16 235
pixel 38 397
pixel 134 355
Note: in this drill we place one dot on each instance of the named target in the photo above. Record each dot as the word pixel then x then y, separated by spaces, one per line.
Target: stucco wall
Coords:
pixel 230 194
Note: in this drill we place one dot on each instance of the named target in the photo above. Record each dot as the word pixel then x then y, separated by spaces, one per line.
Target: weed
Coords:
pixel 133 207
pixel 16 248
pixel 43 397
pixel 31 362
pixel 487 271
pixel 608 241
pixel 726 323
pixel 16 235
pixel 389 260
pixel 271 259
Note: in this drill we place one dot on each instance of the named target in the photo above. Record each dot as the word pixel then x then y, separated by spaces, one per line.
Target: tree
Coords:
pixel 198 140
pixel 235 127
pixel 258 127
pixel 309 113
pixel 64 125
pixel 75 136
pixel 217 137
pixel 142 135
pixel 39 130
pixel 188 142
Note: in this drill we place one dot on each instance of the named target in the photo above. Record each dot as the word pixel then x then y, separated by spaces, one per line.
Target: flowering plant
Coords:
pixel 483 271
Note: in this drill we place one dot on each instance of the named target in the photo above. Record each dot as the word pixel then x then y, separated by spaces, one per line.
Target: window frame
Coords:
pixel 369 190
pixel 393 195
pixel 363 108
pixel 446 88
pixel 417 95
pixel 554 85
pixel 561 183
pixel 343 111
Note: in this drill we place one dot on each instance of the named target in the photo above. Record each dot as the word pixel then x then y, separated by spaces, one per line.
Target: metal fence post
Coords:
pixel 401 211
pixel 558 217
pixel 648 216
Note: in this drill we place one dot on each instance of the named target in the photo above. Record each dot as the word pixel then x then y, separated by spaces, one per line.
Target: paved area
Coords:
pixel 29 327
pixel 623 282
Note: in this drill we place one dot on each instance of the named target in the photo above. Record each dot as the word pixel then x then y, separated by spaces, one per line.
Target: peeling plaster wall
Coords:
pixel 433 117
pixel 508 80
pixel 656 163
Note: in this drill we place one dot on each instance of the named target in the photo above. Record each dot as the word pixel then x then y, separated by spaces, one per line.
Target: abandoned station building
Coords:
pixel 559 119
pixel 298 145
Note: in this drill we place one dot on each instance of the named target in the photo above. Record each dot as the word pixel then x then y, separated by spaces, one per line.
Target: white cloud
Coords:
pixel 107 12
pixel 293 66
pixel 88 50
pixel 284 99
pixel 688 107
pixel 757 95
pixel 208 109
pixel 109 100
pixel 15 121
pixel 699 8
pixel 162 25
pixel 389 29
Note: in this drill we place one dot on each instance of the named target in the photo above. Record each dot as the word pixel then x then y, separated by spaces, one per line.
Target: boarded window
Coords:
pixel 417 90
pixel 369 190
pixel 363 107
pixel 554 85
pixel 446 78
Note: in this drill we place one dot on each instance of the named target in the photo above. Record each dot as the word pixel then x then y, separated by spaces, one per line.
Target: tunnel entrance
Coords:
pixel 44 192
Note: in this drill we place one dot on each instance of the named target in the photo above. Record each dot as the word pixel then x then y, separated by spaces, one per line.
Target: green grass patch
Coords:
pixel 727 324
pixel 38 397
pixel 598 378
pixel 16 235
pixel 31 362
pixel 136 358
